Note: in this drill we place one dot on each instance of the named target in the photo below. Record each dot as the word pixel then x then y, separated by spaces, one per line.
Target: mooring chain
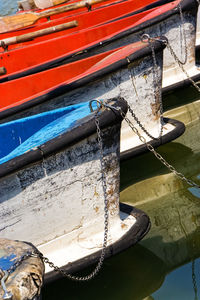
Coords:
pixel 181 66
pixel 106 215
pixel 37 253
pixel 151 149
pixel 157 91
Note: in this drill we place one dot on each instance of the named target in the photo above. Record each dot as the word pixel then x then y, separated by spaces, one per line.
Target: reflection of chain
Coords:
pixel 151 148
pixel 157 90
pixel 194 281
pixel 103 250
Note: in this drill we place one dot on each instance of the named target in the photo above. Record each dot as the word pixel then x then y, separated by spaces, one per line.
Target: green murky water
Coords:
pixel 165 265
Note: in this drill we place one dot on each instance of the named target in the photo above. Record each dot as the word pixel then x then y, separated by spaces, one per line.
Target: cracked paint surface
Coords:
pixel 64 192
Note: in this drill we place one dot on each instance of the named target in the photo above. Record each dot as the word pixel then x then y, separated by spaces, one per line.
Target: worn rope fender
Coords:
pixel 21 272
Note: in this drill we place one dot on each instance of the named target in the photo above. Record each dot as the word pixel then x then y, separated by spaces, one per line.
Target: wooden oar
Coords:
pixel 32 35
pixel 41 4
pixel 29 18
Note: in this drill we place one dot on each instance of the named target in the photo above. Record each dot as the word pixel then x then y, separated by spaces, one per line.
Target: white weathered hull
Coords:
pixel 60 194
pixel 57 203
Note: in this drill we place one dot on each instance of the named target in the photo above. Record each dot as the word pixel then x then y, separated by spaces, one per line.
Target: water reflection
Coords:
pixel 182 284
pixel 134 274
pixel 195 191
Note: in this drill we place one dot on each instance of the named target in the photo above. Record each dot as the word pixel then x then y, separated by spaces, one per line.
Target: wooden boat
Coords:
pixel 51 191
pixel 21 274
pixel 25 5
pixel 120 72
pixel 165 19
pixel 61 49
pixel 11 24
pixel 49 30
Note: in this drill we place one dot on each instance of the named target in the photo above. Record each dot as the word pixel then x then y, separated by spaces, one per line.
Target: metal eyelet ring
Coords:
pixel 145 38
pixel 99 105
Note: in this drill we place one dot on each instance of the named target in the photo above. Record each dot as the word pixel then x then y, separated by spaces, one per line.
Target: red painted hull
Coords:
pixel 138 5
pixel 85 20
pixel 24 58
pixel 36 85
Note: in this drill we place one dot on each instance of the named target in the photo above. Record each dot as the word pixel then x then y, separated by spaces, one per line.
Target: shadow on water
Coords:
pixel 181 97
pixel 133 274
pixel 146 166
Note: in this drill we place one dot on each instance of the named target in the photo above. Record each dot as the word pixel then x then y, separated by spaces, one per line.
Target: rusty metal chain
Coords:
pixel 20 260
pixel 106 215
pixel 181 66
pixel 157 90
pixel 37 253
pixel 151 149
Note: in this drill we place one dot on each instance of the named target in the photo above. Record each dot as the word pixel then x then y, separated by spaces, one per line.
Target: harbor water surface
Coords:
pixel 165 265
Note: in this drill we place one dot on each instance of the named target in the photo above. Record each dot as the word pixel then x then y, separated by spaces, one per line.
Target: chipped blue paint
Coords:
pixel 7 261
pixel 20 136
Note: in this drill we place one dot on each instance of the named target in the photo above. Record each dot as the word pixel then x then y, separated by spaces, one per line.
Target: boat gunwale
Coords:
pixel 81 130
pixel 187 5
pixel 166 138
pixel 64 88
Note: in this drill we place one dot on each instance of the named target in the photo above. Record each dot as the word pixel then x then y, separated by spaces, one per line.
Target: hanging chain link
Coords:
pixel 157 93
pixel 37 253
pixel 151 148
pixel 182 68
pixel 157 90
pixel 178 61
pixel 106 217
